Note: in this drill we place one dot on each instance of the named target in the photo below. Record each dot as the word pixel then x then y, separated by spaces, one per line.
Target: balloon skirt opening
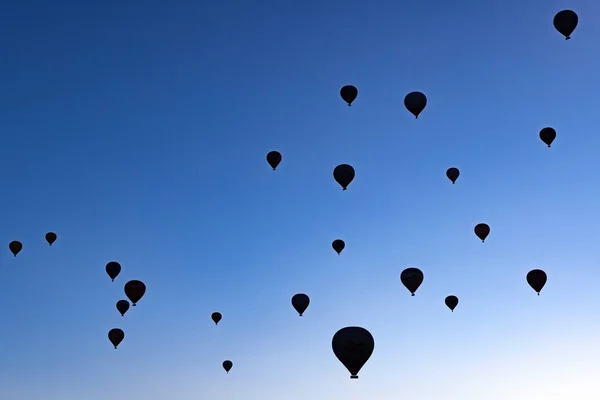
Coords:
pixel 353 376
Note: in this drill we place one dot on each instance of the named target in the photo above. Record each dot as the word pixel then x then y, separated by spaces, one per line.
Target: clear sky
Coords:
pixel 137 130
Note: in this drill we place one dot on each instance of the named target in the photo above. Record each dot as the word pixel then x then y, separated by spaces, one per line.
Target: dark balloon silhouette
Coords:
pixel 300 302
pixel 451 302
pixel 349 94
pixel 453 174
pixel 134 290
pixel 565 23
pixel 415 102
pixel 116 336
pixel 338 245
pixel 113 269
pixel 274 158
pixel 122 306
pixel 537 280
pixel 482 231
pixel 227 365
pixel 15 247
pixel 216 317
pixel 548 135
pixel 353 346
pixel 344 175
pixel 50 238
pixel 411 278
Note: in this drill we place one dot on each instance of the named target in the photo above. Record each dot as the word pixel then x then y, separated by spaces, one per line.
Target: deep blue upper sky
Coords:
pixel 138 131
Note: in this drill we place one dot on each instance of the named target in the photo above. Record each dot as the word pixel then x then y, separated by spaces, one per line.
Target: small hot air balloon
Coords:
pixel 338 245
pixel 343 174
pixel 353 346
pixel 15 247
pixel 411 279
pixel 274 158
pixel 537 279
pixel 453 174
pixel 50 238
pixel 116 336
pixel 482 231
pixel 122 306
pixel 300 302
pixel 451 302
pixel 216 317
pixel 565 22
pixel 113 269
pixel 548 135
pixel 349 94
pixel 415 102
pixel 227 365
pixel 134 290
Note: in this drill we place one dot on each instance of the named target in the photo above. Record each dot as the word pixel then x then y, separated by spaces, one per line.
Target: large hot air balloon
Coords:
pixel 537 279
pixel 122 306
pixel 548 135
pixel 353 346
pixel 349 94
pixel 343 174
pixel 338 245
pixel 482 231
pixel 415 102
pixel 113 269
pixel 116 336
pixel 451 302
pixel 216 317
pixel 50 238
pixel 15 247
pixel 227 365
pixel 565 22
pixel 300 302
pixel 134 290
pixel 274 158
pixel 453 174
pixel 411 279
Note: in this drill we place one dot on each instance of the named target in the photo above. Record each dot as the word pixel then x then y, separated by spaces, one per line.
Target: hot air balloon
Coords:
pixel 50 238
pixel 274 158
pixel 122 306
pixel 411 279
pixel 565 23
pixel 338 245
pixel 227 365
pixel 15 247
pixel 482 231
pixel 451 302
pixel 453 174
pixel 300 302
pixel 216 317
pixel 548 135
pixel 134 290
pixel 353 346
pixel 415 102
pixel 537 279
pixel 116 336
pixel 349 94
pixel 343 174
pixel 113 269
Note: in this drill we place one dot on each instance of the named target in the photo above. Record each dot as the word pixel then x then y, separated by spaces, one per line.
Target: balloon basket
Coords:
pixel 353 376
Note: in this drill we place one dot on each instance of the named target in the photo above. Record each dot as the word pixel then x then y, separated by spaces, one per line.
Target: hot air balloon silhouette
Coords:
pixel 216 317
pixel 537 280
pixel 15 247
pixel 349 94
pixel 548 135
pixel 113 269
pixel 227 365
pixel 122 306
pixel 411 278
pixel 344 175
pixel 353 346
pixel 453 174
pixel 51 238
pixel 300 302
pixel 135 290
pixel 482 231
pixel 415 102
pixel 116 336
pixel 451 302
pixel 565 22
pixel 338 245
pixel 274 158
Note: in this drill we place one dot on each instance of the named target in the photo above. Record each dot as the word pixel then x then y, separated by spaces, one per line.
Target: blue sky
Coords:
pixel 138 132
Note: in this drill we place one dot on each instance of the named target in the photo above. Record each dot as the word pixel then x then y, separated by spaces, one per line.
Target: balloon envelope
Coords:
pixel 451 302
pixel 338 245
pixel 274 158
pixel 453 174
pixel 537 280
pixel 565 22
pixel 482 231
pixel 122 306
pixel 50 238
pixel 349 94
pixel 135 290
pixel 353 346
pixel 216 317
pixel 415 102
pixel 113 269
pixel 300 302
pixel 116 336
pixel 411 279
pixel 227 365
pixel 15 247
pixel 548 135
pixel 344 175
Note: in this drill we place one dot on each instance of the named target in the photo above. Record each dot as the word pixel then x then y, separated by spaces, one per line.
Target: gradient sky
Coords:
pixel 137 130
